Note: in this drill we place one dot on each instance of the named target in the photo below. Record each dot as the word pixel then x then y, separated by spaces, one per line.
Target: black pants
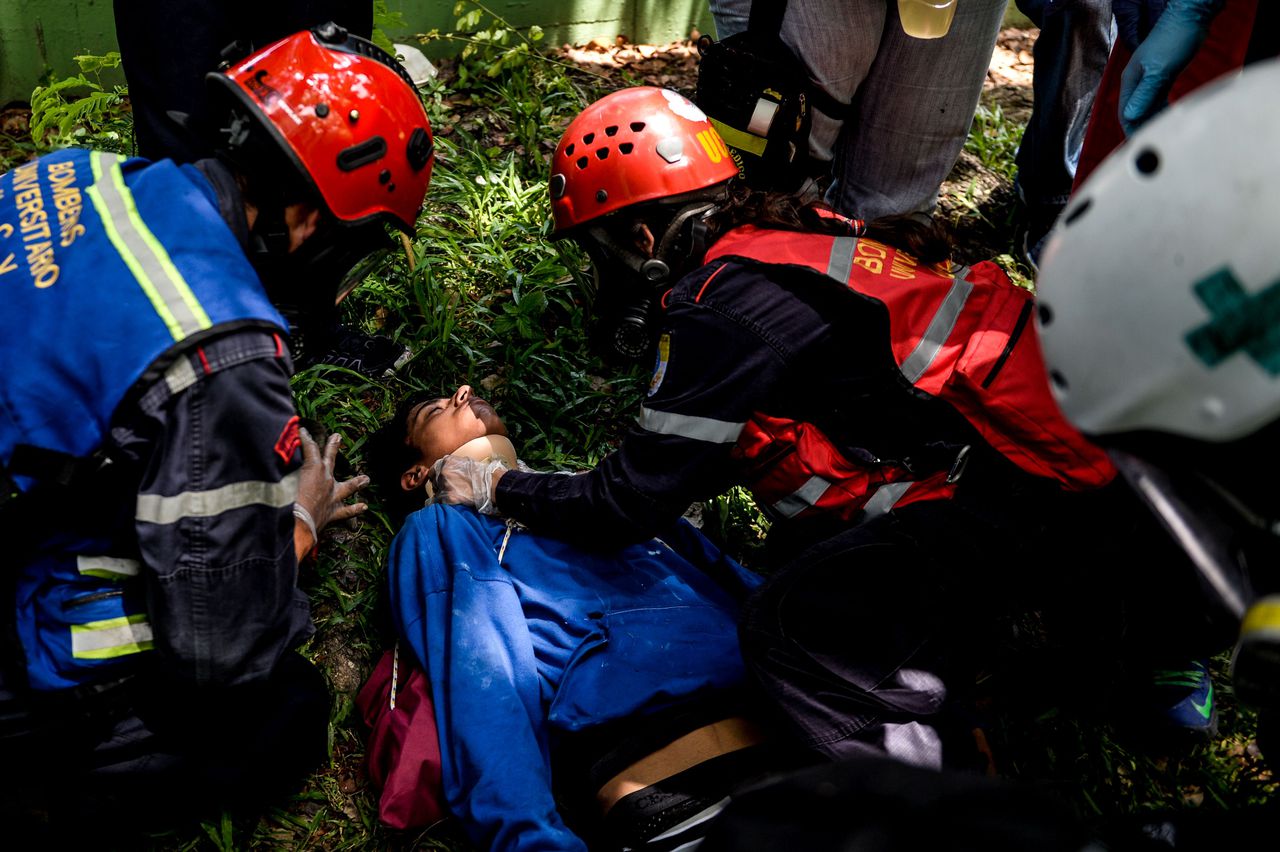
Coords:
pixel 880 805
pixel 168 47
pixel 863 639
pixel 147 755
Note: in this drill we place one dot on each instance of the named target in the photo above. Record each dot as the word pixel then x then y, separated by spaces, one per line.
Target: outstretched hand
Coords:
pixel 460 481
pixel 320 496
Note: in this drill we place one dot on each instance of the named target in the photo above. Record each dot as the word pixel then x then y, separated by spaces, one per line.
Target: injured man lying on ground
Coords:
pixel 609 683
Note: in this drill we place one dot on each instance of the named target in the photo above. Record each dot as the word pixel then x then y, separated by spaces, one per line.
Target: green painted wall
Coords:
pixel 39 35
pixel 573 21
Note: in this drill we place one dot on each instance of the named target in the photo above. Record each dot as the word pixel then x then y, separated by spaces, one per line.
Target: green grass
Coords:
pixel 994 140
pixel 978 202
pixel 482 296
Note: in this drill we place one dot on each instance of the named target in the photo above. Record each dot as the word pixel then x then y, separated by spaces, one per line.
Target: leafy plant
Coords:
pixel 491 44
pixel 99 119
pixel 994 140
pixel 734 522
pixel 383 20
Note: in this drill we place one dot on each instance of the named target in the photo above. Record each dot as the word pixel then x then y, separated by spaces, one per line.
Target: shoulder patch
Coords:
pixel 288 442
pixel 660 365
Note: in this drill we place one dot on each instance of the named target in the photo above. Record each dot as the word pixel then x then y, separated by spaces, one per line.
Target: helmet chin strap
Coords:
pixel 306 283
pixel 684 242
pixel 618 252
pixel 682 245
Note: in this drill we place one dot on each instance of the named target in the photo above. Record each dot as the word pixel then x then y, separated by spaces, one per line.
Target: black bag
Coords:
pixel 757 95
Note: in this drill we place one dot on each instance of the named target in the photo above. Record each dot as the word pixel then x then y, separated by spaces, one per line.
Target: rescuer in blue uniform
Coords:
pixel 155 509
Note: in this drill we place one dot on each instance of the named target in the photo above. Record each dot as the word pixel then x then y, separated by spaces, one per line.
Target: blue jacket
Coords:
pixel 111 271
pixel 550 638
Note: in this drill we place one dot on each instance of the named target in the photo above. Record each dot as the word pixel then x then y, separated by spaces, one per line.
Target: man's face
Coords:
pixel 437 427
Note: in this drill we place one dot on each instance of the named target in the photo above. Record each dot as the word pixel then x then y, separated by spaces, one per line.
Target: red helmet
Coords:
pixel 347 116
pixel 631 146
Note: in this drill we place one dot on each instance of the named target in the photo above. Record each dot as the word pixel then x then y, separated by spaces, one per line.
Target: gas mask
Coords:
pixel 308 284
pixel 628 287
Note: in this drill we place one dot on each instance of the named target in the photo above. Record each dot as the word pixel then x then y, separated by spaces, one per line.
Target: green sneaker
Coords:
pixel 1183 698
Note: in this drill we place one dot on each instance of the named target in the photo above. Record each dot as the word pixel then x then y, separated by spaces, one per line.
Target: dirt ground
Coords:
pixel 675 65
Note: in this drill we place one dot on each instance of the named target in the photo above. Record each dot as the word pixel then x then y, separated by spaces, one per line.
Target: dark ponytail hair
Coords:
pixel 926 241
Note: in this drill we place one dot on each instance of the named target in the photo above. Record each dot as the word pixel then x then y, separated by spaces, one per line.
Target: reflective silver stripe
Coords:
pixel 156 509
pixel 804 497
pixel 939 329
pixel 914 743
pixel 146 258
pixel 697 819
pixel 180 376
pixel 841 262
pixel 108 567
pixel 115 637
pixel 697 428
pixel 885 498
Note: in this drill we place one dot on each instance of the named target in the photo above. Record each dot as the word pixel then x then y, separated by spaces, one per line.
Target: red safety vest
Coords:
pixel 965 336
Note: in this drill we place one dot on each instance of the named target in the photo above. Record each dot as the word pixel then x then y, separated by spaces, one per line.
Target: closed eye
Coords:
pixel 427 410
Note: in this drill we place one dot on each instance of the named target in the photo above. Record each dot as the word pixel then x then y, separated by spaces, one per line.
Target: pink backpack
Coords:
pixel 403 754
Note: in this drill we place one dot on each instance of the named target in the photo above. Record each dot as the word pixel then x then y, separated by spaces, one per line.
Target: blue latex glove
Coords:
pixel 1134 19
pixel 1167 49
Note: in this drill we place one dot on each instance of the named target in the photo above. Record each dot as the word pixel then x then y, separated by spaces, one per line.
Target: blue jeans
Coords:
pixel 1071 51
pixel 912 99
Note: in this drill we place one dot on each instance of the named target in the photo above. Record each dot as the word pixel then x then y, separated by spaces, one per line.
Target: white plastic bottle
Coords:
pixel 926 18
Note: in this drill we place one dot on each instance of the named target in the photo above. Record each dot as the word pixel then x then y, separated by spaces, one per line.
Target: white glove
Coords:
pixel 461 481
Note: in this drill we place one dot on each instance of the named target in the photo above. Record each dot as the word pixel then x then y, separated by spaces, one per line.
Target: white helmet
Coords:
pixel 1159 296
pixel 1160 287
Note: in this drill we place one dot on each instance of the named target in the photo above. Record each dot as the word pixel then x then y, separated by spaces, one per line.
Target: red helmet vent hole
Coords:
pixel 611 130
pixel 637 126
pixel 625 148
pixel 568 152
pixel 369 151
pixel 582 162
pixel 588 139
pixel 602 153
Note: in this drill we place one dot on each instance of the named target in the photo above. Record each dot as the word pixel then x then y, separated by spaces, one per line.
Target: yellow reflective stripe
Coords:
pixel 739 139
pixel 1262 617
pixel 107 567
pixel 110 638
pixel 146 258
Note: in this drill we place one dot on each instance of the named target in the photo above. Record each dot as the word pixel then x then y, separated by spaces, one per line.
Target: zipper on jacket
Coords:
pixel 93 598
pixel 1013 341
